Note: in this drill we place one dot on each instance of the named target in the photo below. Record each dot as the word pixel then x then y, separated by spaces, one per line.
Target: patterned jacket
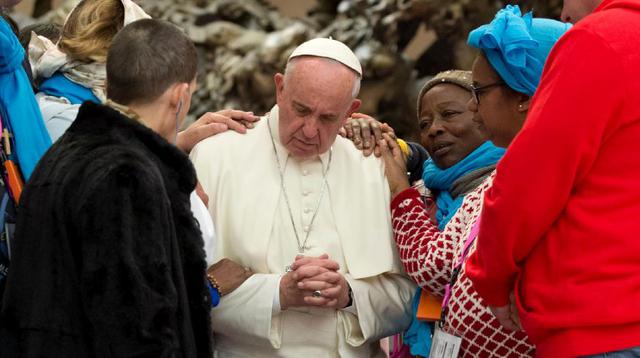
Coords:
pixel 429 255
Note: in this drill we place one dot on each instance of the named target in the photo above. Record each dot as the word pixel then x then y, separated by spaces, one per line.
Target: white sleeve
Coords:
pixel 248 311
pixel 201 214
pixel 58 114
pixel 382 306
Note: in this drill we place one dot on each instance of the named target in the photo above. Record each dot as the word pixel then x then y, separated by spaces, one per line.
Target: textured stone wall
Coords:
pixel 242 43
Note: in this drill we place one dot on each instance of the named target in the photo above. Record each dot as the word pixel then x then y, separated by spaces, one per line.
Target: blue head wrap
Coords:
pixel 517 46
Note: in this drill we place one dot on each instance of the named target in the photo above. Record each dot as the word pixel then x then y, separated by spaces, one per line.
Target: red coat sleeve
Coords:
pixel 572 112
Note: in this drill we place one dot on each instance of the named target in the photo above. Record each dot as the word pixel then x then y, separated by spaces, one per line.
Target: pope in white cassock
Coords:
pixel 309 214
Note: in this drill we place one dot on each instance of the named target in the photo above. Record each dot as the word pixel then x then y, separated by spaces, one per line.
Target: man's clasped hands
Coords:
pixel 316 282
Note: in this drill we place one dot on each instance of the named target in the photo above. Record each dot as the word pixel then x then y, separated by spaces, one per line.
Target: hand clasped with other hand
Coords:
pixel 314 274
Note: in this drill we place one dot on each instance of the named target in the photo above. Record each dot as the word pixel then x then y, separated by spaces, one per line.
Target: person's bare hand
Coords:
pixel 320 261
pixel 229 275
pixel 212 123
pixel 247 119
pixel 395 165
pixel 333 287
pixel 508 315
pixel 319 273
pixel 365 131
pixel 515 316
pixel 290 294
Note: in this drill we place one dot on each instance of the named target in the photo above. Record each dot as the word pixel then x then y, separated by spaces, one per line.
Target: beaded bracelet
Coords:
pixel 214 283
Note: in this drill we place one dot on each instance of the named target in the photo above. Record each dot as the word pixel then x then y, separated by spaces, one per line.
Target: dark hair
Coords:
pixel 50 31
pixel 146 58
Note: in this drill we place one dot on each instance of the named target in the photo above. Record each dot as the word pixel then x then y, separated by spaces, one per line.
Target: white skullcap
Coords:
pixel 329 48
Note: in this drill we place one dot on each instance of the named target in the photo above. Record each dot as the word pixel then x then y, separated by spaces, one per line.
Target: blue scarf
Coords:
pixel 418 336
pixel 18 107
pixel 60 86
pixel 441 179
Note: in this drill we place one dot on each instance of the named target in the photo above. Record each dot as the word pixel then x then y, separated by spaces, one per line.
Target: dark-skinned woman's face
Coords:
pixel 497 108
pixel 447 128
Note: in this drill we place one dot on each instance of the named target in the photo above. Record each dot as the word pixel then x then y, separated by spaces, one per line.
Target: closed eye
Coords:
pixel 301 110
pixel 424 124
pixel 328 118
pixel 449 114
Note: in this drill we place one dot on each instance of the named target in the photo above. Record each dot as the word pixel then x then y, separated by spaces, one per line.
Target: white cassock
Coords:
pixel 253 228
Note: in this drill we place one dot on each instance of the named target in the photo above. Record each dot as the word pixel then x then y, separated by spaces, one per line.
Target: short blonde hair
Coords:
pixel 90 28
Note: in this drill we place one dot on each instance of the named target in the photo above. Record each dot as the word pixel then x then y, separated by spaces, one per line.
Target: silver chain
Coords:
pixel 301 247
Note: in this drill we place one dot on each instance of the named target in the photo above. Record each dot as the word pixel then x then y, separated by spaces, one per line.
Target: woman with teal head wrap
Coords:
pixel 517 46
pixel 507 71
pixel 506 74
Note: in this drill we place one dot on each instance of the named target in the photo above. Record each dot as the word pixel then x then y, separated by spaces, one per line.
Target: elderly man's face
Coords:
pixel 574 10
pixel 315 100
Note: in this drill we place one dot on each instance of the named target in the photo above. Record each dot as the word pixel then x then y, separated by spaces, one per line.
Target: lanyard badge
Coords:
pixel 443 344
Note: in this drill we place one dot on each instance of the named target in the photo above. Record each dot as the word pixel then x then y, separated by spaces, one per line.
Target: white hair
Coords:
pixel 356 83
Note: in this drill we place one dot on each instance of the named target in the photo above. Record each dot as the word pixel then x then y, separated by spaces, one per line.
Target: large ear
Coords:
pixel 179 96
pixel 278 78
pixel 354 107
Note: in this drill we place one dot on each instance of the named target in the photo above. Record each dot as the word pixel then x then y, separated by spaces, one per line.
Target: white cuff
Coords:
pixel 276 308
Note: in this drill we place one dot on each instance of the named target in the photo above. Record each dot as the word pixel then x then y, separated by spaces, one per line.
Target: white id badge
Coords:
pixel 444 345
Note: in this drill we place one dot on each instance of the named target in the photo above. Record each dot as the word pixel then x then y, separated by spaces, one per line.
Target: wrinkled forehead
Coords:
pixel 322 82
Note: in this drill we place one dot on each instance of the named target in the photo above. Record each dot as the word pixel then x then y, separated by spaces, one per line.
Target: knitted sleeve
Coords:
pixel 425 252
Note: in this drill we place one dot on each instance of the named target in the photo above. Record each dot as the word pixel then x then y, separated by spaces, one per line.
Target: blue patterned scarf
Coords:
pixel 442 179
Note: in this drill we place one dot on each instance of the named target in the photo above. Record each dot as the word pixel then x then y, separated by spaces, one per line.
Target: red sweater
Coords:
pixel 562 220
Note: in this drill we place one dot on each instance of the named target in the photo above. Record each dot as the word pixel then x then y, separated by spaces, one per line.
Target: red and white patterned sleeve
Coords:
pixel 425 252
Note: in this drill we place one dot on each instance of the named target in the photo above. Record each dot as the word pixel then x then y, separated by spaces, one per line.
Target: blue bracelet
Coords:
pixel 215 295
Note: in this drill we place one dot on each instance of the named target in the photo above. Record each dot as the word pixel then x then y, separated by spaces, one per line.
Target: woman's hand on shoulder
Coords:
pixel 365 132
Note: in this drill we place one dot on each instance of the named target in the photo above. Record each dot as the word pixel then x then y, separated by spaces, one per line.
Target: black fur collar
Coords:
pixel 111 125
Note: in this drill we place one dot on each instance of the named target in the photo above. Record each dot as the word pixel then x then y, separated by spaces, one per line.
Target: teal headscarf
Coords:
pixel 517 46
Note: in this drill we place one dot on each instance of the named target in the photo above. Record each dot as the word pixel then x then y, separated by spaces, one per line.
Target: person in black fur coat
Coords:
pixel 108 259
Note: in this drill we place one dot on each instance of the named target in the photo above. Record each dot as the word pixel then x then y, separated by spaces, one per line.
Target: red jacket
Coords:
pixel 561 223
